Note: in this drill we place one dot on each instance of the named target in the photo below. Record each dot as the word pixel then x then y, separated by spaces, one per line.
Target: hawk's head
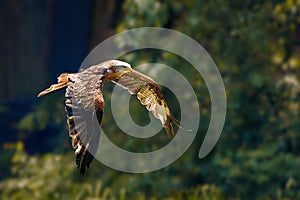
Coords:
pixel 114 69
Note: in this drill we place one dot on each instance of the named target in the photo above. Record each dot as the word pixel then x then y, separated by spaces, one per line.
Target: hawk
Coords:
pixel 84 103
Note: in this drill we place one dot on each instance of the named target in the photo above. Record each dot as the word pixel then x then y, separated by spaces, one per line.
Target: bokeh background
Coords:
pixel 255 44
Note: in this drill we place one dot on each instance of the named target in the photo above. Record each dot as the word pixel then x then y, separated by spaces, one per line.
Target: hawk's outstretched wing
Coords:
pixel 84 107
pixel 149 95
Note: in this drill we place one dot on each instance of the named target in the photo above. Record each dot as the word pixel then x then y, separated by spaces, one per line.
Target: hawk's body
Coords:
pixel 85 103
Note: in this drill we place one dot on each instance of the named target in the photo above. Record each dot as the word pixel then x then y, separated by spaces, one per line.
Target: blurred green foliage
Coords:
pixel 53 176
pixel 256 45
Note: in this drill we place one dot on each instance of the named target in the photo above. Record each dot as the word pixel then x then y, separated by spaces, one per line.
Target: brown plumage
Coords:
pixel 84 103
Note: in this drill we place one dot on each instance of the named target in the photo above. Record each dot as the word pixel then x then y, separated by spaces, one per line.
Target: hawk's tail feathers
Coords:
pixel 62 81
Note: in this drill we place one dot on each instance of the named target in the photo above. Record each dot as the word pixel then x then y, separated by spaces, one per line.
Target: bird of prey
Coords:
pixel 84 103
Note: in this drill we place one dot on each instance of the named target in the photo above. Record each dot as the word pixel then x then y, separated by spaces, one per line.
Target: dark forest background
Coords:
pixel 254 43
